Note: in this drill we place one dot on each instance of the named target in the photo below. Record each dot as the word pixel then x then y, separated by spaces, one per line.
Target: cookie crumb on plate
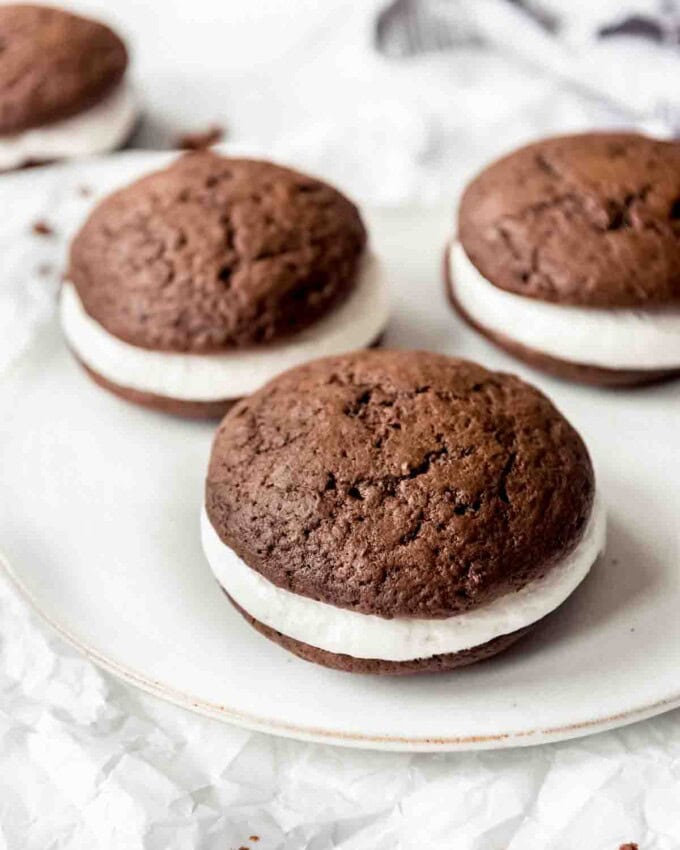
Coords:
pixel 200 140
pixel 42 228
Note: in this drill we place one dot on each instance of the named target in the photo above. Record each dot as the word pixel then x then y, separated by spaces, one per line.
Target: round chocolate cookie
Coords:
pixel 197 283
pixel 215 253
pixel 568 256
pixel 53 64
pixel 398 499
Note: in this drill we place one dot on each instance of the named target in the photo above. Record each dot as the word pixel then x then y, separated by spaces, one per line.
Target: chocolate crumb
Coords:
pixel 201 140
pixel 42 228
pixel 630 846
pixel 45 269
pixel 253 838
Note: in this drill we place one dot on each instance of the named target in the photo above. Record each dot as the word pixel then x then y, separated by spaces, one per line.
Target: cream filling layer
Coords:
pixel 611 339
pixel 99 129
pixel 356 323
pixel 400 639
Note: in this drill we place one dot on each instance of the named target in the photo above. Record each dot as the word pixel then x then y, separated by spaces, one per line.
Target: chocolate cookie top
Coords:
pixel 590 220
pixel 398 483
pixel 53 65
pixel 215 253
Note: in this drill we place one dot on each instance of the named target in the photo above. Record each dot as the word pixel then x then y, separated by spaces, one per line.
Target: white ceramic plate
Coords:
pixel 99 507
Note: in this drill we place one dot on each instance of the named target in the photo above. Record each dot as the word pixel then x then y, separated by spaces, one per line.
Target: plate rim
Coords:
pixel 320 735
pixel 522 737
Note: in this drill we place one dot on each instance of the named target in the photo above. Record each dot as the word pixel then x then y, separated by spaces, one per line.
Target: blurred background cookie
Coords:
pixel 63 91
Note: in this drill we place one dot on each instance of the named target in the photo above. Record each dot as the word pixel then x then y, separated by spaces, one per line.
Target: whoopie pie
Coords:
pixel 63 87
pixel 567 255
pixel 196 284
pixel 398 512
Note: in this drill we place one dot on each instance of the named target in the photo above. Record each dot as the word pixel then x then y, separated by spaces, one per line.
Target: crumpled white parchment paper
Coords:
pixel 87 762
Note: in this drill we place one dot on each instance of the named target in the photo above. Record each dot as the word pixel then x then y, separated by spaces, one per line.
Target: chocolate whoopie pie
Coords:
pixel 196 284
pixel 398 512
pixel 62 88
pixel 568 257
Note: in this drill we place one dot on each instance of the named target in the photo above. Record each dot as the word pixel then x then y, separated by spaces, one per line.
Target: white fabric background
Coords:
pixel 86 762
pixel 303 79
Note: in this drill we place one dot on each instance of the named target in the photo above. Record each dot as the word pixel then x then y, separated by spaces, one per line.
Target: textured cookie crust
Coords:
pixel 582 373
pixel 377 666
pixel 398 483
pixel 215 253
pixel 590 220
pixel 53 65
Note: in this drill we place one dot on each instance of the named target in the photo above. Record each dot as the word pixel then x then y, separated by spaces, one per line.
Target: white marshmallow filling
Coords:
pixel 355 323
pixel 614 338
pixel 347 632
pixel 103 127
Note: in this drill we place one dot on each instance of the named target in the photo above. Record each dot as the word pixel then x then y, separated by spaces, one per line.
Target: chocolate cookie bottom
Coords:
pixel 567 370
pixel 163 404
pixel 434 664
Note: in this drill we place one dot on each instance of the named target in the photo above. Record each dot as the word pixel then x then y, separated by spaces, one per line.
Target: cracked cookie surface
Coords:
pixel 590 220
pixel 398 483
pixel 53 65
pixel 215 253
